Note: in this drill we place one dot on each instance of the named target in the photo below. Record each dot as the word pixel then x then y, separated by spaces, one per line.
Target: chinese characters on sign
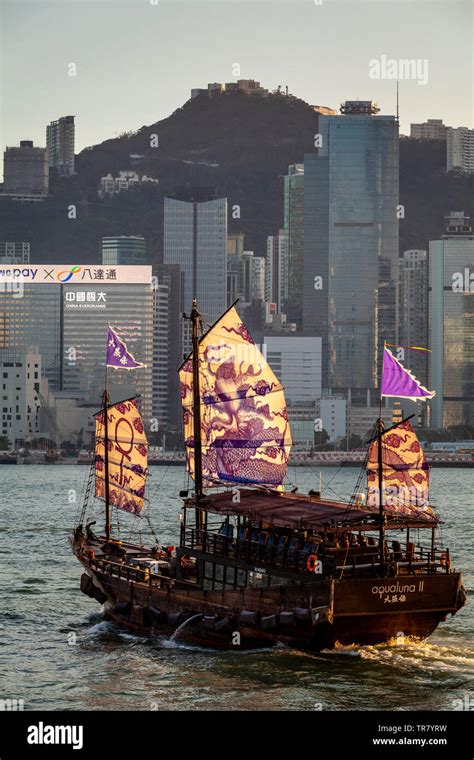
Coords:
pixel 75 298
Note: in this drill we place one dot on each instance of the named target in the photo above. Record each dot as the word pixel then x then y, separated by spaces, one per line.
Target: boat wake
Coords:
pixel 409 653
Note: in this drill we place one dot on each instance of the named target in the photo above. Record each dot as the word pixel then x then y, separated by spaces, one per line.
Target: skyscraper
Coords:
pixel 60 145
pixel 351 241
pixel 235 251
pixel 451 308
pixel 275 270
pixel 161 328
pixel 195 238
pixel 88 310
pixel 293 224
pixel 413 309
pixel 30 314
pixel 125 249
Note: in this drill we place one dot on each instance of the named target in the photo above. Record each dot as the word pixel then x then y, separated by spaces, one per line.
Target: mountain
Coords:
pixel 240 144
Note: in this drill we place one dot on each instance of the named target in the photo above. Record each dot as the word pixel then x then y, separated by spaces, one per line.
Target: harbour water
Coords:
pixel 57 652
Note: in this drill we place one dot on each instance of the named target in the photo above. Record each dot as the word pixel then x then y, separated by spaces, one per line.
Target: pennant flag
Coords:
pixel 118 354
pixel 398 381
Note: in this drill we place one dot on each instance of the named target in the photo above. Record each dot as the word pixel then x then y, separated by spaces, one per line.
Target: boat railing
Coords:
pixel 121 570
pixel 353 558
pixel 412 558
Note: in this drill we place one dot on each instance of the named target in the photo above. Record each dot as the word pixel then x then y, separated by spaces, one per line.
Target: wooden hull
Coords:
pixel 310 616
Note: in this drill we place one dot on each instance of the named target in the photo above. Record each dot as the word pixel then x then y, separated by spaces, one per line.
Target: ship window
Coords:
pixel 208 570
pixel 207 584
pixel 230 576
pixel 219 572
pixel 241 577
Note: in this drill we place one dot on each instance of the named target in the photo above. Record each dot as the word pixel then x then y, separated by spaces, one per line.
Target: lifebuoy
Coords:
pixel 312 563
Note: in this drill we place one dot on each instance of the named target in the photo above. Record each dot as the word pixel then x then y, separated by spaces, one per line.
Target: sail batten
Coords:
pixel 127 449
pixel 245 433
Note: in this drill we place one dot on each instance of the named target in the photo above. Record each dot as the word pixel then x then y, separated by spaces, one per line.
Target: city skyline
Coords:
pixel 109 98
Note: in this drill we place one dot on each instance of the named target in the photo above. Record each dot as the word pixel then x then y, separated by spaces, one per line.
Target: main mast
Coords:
pixel 196 321
pixel 105 400
pixel 382 519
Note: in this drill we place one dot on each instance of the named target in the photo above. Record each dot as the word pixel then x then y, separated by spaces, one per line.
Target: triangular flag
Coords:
pixel 117 353
pixel 398 381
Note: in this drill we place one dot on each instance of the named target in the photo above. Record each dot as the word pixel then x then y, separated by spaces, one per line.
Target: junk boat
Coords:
pixel 257 564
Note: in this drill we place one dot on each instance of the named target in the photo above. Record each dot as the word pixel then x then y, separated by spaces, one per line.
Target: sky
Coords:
pixel 137 60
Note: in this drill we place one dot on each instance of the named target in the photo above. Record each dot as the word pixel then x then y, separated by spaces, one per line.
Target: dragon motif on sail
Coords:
pixel 245 431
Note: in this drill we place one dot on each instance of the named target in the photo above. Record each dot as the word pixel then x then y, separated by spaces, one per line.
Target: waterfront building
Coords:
pixel 451 319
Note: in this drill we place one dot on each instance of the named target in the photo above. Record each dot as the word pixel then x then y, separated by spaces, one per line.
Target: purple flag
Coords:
pixel 398 381
pixel 117 353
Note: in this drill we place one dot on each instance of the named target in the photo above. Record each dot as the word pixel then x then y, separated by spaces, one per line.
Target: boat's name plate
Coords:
pixel 392 593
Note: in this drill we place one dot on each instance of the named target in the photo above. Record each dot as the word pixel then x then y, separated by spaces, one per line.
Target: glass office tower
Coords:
pixel 351 242
pixel 87 312
pixel 451 310
pixel 195 238
pixel 30 315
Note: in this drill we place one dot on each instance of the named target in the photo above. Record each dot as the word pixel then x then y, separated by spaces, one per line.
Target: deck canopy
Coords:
pixel 297 511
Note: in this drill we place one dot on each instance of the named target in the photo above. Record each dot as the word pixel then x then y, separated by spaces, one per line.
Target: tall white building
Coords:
pixel 161 349
pixel 275 270
pixel 60 137
pixel 460 149
pixel 296 361
pixel 333 416
pixel 258 278
pixel 20 377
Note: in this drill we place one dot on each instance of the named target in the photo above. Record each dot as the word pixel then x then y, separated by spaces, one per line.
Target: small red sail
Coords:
pixel 405 474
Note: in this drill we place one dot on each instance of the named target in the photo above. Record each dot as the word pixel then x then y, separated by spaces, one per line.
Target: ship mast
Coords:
pixel 196 320
pixel 382 518
pixel 105 400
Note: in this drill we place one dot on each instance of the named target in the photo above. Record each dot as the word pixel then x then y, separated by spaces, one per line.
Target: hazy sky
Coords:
pixel 138 59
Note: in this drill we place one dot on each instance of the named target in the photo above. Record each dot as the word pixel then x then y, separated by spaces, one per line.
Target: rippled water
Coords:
pixel 57 652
